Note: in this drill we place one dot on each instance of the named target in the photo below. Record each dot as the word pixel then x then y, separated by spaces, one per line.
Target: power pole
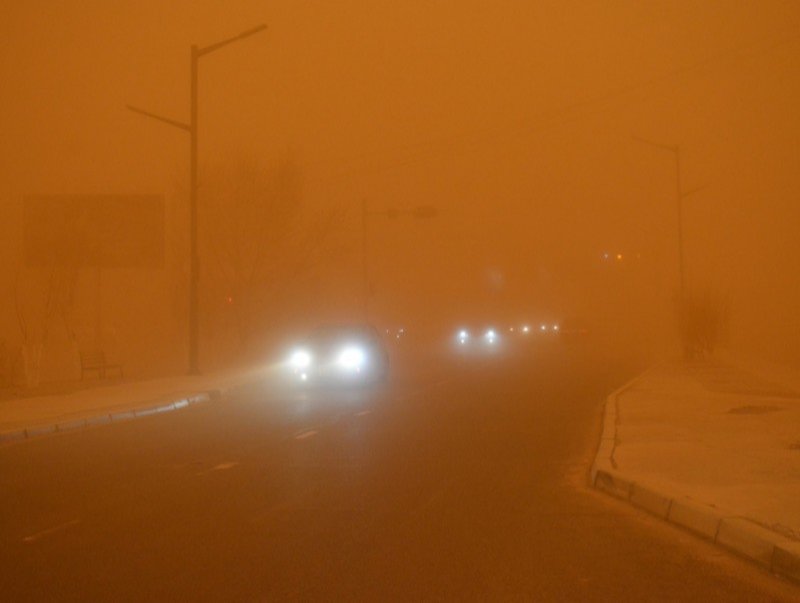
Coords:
pixel 680 195
pixel 679 200
pixel 194 256
pixel 364 274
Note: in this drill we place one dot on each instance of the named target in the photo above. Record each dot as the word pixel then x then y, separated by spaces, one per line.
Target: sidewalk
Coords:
pixel 26 417
pixel 714 449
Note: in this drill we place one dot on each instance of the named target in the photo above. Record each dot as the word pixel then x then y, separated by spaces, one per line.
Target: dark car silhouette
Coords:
pixel 340 354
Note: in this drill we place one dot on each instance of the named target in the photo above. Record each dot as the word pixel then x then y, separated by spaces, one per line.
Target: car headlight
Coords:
pixel 463 336
pixel 491 336
pixel 300 359
pixel 351 358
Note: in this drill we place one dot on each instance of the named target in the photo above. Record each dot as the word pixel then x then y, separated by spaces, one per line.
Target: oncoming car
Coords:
pixel 339 354
pixel 482 340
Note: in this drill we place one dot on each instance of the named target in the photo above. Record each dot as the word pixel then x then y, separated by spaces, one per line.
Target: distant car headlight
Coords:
pixel 490 336
pixel 463 336
pixel 352 358
pixel 300 359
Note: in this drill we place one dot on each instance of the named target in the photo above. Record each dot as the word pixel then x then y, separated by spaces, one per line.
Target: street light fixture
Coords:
pixel 191 128
pixel 420 212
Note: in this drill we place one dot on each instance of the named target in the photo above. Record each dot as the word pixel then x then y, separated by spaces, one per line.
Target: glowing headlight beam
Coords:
pixel 300 359
pixel 352 358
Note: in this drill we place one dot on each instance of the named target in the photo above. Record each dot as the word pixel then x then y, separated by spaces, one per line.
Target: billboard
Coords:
pixel 102 231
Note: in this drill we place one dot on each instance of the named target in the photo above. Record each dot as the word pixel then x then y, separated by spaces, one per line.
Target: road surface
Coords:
pixel 461 480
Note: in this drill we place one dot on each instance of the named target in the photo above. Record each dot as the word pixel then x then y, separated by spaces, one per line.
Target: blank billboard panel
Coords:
pixel 103 231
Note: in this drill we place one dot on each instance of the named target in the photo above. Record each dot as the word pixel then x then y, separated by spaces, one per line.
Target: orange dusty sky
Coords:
pixel 514 118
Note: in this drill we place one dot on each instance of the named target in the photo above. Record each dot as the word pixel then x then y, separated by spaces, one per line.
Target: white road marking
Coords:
pixel 363 413
pixel 305 434
pixel 219 467
pixel 223 466
pixel 48 531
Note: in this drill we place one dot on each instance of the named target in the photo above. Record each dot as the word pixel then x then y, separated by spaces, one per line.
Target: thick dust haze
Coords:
pixel 516 161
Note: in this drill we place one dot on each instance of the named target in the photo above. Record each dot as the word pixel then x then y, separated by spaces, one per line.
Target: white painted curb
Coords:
pixel 740 535
pixel 147 409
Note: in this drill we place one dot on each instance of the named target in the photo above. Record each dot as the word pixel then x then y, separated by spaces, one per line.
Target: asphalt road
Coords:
pixel 459 481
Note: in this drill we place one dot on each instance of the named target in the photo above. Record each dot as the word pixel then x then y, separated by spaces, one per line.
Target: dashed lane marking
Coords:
pixel 223 466
pixel 363 413
pixel 219 467
pixel 305 434
pixel 49 531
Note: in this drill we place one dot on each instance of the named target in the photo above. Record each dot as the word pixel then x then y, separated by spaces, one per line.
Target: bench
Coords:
pixel 95 361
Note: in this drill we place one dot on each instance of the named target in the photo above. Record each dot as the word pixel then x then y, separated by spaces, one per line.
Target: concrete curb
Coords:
pixel 106 417
pixel 115 416
pixel 739 535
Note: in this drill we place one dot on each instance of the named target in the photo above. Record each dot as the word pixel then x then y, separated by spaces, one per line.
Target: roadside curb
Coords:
pixel 145 408
pixel 778 554
pixel 104 418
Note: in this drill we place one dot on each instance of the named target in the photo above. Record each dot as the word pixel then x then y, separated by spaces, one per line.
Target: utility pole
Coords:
pixel 679 201
pixel 680 195
pixel 364 274
pixel 194 257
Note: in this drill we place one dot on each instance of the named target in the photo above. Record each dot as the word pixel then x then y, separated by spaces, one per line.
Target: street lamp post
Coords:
pixel 420 212
pixel 680 195
pixel 194 260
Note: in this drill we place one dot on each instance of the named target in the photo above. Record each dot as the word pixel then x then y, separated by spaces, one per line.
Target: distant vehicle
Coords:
pixel 549 328
pixel 482 340
pixel 339 354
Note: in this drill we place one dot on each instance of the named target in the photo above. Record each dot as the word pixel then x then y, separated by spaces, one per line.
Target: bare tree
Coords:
pixel 262 240
pixel 42 297
pixel 702 322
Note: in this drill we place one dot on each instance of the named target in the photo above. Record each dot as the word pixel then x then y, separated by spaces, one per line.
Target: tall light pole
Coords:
pixel 191 128
pixel 680 195
pixel 421 212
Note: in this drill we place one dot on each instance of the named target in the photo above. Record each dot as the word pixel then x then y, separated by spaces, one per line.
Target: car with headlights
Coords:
pixel 339 354
pixel 477 341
